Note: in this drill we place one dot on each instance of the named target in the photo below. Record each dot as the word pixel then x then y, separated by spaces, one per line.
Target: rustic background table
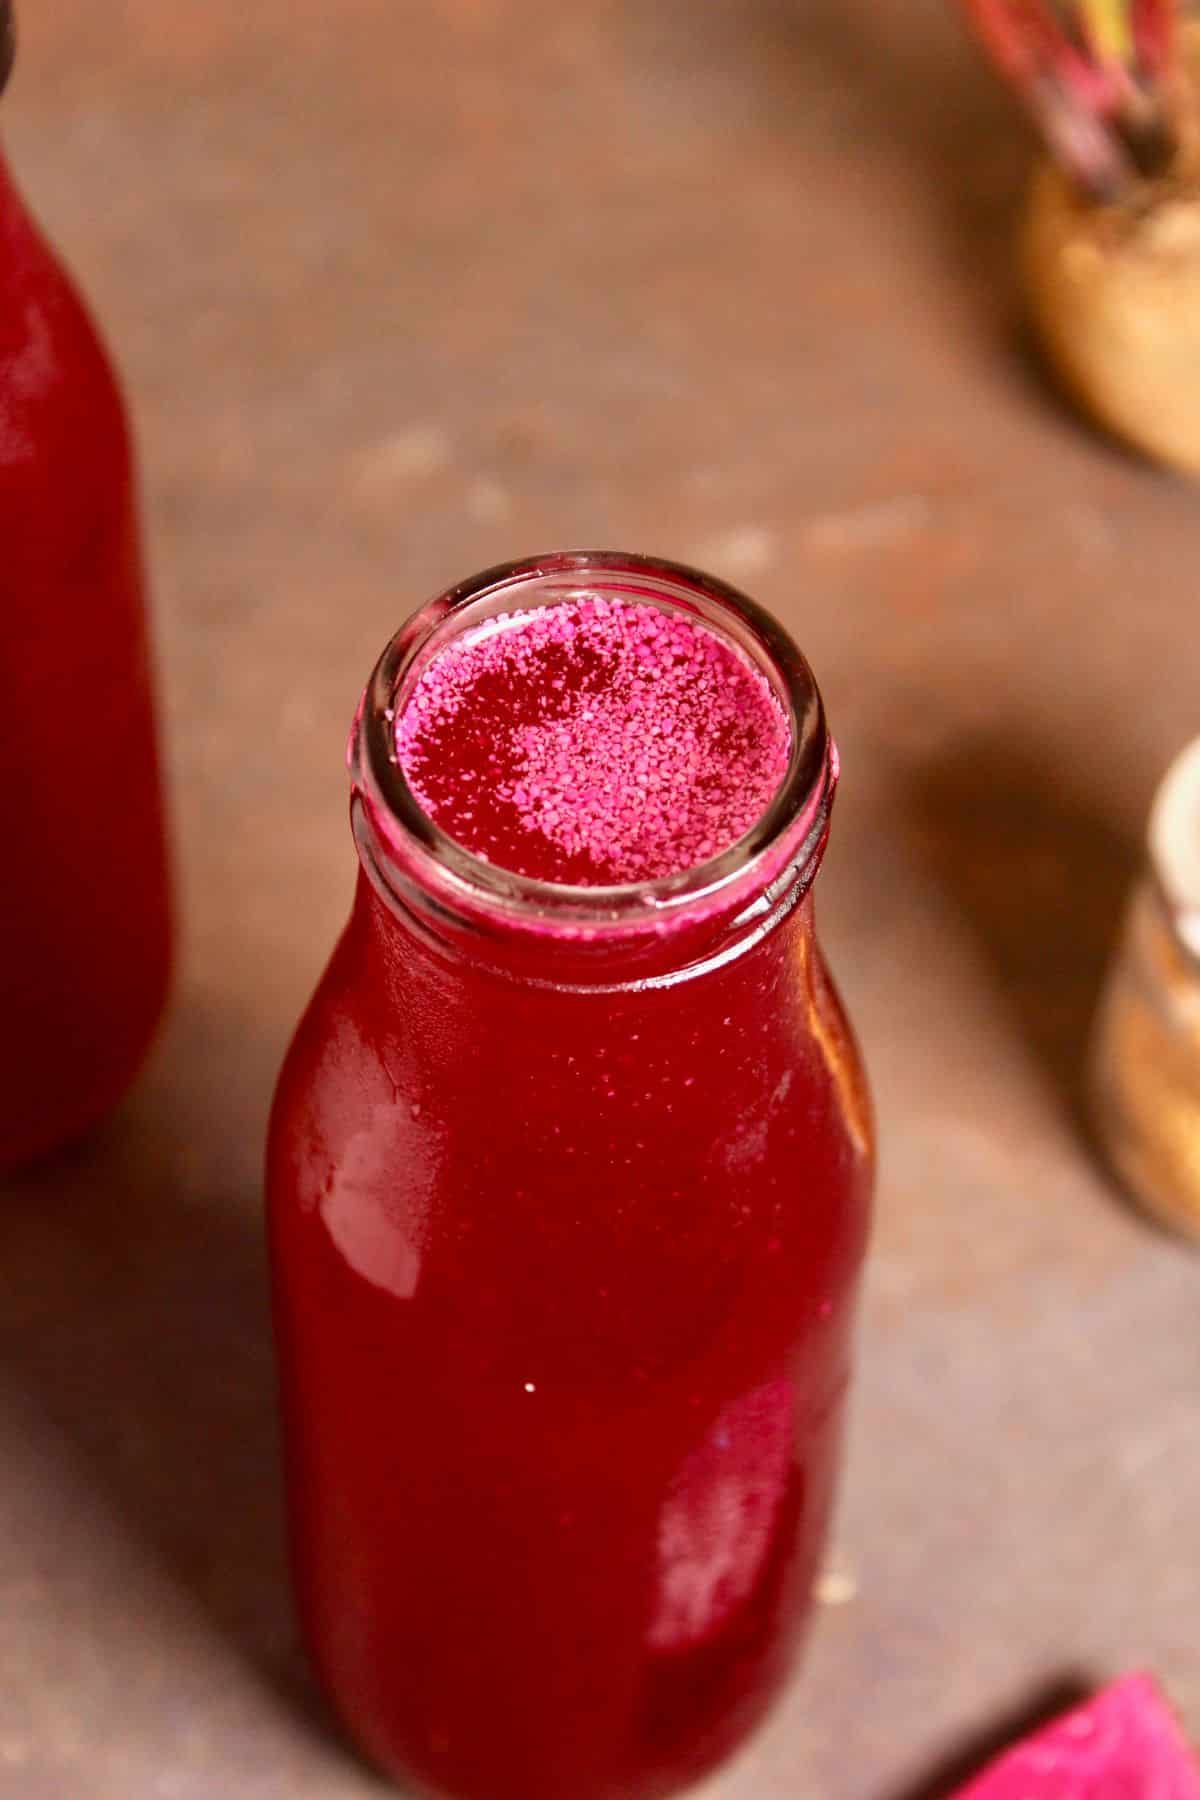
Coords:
pixel 403 290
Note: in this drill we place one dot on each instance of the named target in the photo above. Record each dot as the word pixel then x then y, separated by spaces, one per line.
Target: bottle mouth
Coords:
pixel 411 859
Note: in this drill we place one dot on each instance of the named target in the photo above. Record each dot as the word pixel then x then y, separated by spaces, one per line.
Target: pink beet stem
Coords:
pixel 1092 73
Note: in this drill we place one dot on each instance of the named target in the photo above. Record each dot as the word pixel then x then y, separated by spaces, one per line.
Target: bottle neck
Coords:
pixel 578 935
pixel 409 922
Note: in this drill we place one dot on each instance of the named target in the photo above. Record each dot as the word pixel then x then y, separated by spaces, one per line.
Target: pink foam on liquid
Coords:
pixel 1123 1745
pixel 593 742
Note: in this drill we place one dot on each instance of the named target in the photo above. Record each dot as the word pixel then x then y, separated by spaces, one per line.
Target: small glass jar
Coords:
pixel 568 1193
pixel 84 927
pixel 1145 1076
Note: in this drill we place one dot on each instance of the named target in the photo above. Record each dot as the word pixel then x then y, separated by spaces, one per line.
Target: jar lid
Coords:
pixel 1174 843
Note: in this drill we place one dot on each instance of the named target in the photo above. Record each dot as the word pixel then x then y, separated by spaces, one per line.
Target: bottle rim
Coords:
pixel 409 856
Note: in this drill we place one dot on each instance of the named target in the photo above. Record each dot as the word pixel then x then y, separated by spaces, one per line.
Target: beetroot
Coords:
pixel 1123 1745
pixel 1111 239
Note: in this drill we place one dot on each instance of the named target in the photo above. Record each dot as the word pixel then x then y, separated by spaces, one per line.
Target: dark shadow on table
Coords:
pixel 970 1757
pixel 911 92
pixel 1041 876
pixel 915 94
pixel 924 95
pixel 134 1309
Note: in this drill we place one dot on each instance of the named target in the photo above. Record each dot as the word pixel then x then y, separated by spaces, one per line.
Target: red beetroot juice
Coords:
pixel 568 1178
pixel 84 933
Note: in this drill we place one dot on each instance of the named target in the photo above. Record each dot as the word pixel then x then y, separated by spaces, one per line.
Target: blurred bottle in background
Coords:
pixel 84 903
pixel 1146 1059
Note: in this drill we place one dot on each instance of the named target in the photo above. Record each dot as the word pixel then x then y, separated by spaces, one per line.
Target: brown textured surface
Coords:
pixel 400 290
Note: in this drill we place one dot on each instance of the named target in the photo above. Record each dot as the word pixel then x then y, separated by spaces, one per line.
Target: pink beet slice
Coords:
pixel 1122 1745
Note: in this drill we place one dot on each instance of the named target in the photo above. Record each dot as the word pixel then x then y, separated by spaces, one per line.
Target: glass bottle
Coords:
pixel 568 1193
pixel 84 932
pixel 1145 1062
